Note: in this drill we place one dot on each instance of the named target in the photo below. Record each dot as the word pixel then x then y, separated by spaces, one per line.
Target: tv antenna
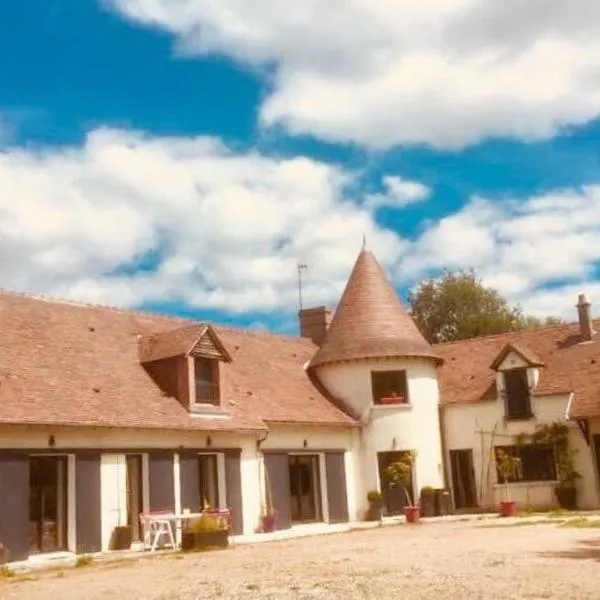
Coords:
pixel 301 267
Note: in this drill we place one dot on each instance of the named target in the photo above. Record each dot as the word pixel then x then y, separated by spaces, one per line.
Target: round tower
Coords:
pixel 375 360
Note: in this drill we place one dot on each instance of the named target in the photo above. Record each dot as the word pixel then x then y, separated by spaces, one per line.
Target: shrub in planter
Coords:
pixel 508 468
pixel 121 538
pixel 401 472
pixel 427 501
pixel 206 532
pixel 566 496
pixel 375 510
pixel 268 520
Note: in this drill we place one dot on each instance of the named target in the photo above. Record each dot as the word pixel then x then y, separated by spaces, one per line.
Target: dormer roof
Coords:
pixel 200 339
pixel 530 358
pixel 370 321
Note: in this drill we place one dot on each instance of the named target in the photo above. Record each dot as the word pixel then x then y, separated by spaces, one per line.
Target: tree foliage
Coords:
pixel 457 306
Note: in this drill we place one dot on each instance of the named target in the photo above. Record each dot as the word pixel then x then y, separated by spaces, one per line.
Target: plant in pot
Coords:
pixel 375 510
pixel 268 514
pixel 206 532
pixel 400 472
pixel 427 501
pixel 508 467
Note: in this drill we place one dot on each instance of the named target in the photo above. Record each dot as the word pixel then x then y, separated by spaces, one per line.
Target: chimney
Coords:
pixel 314 323
pixel 585 318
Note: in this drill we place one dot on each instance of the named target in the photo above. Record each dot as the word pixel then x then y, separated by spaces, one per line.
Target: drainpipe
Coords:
pixel 260 466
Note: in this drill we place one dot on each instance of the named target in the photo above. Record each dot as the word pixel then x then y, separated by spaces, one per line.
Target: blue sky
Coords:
pixel 183 156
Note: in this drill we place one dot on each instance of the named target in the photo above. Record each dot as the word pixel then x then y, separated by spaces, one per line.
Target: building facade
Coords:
pixel 106 414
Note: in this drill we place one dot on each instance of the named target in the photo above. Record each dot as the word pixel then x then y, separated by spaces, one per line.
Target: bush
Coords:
pixel 374 496
pixel 208 522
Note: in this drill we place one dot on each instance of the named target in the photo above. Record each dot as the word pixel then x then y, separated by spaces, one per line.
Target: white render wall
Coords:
pixel 482 426
pixel 391 427
pixel 113 464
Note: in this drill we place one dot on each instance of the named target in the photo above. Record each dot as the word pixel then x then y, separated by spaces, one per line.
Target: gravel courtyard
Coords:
pixel 456 560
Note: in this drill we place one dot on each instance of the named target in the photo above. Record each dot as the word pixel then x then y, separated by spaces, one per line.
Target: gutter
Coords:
pixel 569 403
pixel 583 424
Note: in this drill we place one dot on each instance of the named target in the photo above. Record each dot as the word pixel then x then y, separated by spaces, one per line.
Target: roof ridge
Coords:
pixel 511 333
pixel 149 314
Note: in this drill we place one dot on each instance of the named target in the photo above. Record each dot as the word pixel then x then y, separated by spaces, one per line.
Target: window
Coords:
pixel 516 391
pixel 389 387
pixel 207 390
pixel 537 462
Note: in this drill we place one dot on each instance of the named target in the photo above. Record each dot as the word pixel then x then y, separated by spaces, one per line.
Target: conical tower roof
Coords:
pixel 370 321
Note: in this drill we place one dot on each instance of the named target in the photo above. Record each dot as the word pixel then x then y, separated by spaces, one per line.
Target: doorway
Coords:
pixel 463 478
pixel 47 504
pixel 208 481
pixel 394 494
pixel 135 495
pixel 305 488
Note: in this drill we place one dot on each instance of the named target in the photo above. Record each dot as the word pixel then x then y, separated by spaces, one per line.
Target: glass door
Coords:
pixel 47 504
pixel 305 489
pixel 208 481
pixel 135 504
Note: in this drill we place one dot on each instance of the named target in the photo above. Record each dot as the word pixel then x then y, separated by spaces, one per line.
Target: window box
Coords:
pixel 392 400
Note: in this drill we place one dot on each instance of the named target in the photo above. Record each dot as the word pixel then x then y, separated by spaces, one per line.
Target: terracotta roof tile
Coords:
pixel 530 357
pixel 370 321
pixel 69 364
pixel 570 365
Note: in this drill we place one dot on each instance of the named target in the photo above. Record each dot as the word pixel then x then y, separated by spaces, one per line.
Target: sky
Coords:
pixel 183 156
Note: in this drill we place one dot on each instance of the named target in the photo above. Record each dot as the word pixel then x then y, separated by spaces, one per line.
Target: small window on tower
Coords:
pixel 389 387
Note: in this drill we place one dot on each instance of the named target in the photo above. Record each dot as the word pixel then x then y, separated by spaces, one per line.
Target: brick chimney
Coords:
pixel 585 318
pixel 314 323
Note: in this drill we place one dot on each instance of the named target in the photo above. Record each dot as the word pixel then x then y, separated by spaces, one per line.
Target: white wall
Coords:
pixel 482 426
pixel 414 426
pixel 113 465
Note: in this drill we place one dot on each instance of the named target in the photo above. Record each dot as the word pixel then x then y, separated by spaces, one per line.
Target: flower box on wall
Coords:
pixel 392 400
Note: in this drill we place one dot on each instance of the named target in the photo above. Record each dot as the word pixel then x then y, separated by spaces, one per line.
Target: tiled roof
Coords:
pixel 70 364
pixel 570 365
pixel 370 321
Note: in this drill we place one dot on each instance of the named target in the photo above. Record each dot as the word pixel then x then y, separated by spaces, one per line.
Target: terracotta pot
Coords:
pixel 269 523
pixel 508 508
pixel 412 514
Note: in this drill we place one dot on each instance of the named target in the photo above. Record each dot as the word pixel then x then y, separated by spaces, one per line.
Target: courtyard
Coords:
pixel 479 558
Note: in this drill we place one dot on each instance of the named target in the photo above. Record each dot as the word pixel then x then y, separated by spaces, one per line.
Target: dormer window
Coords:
pixel 389 387
pixel 516 392
pixel 206 380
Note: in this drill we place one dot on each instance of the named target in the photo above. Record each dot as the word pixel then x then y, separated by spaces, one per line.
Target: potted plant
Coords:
pixel 565 491
pixel 207 531
pixel 375 510
pixel 508 468
pixel 427 501
pixel 268 519
pixel 393 398
pixel 400 472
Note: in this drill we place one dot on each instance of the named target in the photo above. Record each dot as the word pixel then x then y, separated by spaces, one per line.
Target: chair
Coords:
pixel 156 525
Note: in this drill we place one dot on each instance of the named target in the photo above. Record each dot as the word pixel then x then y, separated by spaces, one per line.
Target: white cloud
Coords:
pixel 229 226
pixel 540 252
pixel 383 72
pixel 399 193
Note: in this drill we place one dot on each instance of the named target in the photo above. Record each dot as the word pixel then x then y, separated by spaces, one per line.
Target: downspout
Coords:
pixel 260 466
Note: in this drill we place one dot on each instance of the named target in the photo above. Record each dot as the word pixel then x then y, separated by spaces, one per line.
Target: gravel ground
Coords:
pixel 459 560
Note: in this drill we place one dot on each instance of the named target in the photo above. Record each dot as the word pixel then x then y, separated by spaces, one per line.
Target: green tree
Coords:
pixel 457 306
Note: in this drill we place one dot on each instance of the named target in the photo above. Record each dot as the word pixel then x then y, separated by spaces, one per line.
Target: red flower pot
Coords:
pixel 269 523
pixel 412 514
pixel 508 508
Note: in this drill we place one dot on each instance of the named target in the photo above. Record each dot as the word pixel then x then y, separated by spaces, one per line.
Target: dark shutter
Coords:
pixel 337 493
pixel 162 488
pixel 14 505
pixel 233 490
pixel 278 478
pixel 88 515
pixel 190 488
